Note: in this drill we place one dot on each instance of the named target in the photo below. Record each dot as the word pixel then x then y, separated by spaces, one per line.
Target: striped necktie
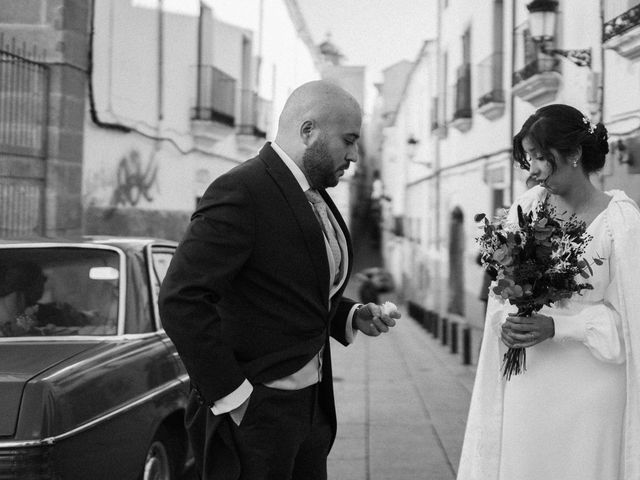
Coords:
pixel 320 209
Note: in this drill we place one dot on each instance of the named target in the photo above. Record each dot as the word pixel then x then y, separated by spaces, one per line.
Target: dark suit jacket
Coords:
pixel 247 292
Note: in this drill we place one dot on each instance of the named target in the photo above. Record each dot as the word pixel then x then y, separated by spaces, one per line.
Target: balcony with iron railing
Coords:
pixel 434 114
pixel 621 29
pixel 462 108
pixel 438 121
pixel 490 86
pixel 215 96
pixel 263 112
pixel 255 116
pixel 538 81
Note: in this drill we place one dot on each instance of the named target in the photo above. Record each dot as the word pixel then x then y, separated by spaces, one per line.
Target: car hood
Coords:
pixel 20 362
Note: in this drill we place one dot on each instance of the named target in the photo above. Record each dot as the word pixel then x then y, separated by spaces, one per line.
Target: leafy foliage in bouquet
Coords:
pixel 536 262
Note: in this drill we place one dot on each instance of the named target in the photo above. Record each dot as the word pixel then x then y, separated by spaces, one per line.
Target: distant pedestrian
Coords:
pixel 368 290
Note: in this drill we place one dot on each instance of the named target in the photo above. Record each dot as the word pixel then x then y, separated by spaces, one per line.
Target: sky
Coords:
pixel 373 33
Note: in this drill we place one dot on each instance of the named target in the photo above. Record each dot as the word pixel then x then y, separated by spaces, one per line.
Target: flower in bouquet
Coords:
pixel 537 261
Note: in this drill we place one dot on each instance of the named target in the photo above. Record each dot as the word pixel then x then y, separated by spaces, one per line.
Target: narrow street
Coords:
pixel 402 401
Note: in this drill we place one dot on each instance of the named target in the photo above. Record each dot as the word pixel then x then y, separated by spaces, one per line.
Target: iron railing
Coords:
pixel 255 116
pixel 24 93
pixel 264 110
pixel 614 8
pixel 621 23
pixel 247 107
pixel 490 72
pixel 540 65
pixel 24 105
pixel 463 92
pixel 20 207
pixel 215 96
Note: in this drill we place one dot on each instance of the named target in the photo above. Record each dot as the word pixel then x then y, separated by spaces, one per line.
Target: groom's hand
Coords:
pixel 371 320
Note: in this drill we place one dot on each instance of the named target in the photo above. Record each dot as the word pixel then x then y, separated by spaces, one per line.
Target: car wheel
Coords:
pixel 160 461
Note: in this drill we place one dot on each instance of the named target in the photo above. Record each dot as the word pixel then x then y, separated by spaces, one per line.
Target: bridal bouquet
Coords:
pixel 536 262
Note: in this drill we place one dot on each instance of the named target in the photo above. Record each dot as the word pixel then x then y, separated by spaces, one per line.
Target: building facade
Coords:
pixel 200 96
pixel 117 114
pixel 449 144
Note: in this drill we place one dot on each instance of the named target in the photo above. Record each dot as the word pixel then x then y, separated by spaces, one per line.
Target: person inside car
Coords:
pixel 22 285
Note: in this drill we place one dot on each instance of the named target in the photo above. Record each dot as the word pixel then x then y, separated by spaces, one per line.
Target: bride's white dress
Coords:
pixel 564 418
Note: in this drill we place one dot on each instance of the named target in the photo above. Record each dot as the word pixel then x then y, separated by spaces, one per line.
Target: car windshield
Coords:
pixel 58 291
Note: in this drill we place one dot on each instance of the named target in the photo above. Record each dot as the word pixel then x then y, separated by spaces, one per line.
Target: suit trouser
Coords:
pixel 284 435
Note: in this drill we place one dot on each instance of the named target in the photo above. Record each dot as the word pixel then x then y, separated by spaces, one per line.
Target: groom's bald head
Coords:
pixel 318 104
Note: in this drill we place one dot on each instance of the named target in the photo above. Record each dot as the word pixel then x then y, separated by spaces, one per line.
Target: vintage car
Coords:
pixel 90 385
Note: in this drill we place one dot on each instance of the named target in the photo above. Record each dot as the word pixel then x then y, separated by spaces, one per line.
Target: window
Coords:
pixel 160 260
pixel 58 291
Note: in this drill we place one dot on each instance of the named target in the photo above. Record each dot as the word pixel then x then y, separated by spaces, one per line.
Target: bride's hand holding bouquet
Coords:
pixel 536 262
pixel 524 332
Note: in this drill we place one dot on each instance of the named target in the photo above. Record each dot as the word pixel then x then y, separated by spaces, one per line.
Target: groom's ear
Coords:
pixel 306 131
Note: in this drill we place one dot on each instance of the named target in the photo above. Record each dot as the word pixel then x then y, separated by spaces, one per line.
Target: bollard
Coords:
pixel 424 318
pixel 428 321
pixel 435 324
pixel 445 325
pixel 421 316
pixel 454 337
pixel 466 346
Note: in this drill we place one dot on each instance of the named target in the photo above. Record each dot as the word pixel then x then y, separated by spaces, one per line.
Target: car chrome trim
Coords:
pixel 85 426
pixel 84 338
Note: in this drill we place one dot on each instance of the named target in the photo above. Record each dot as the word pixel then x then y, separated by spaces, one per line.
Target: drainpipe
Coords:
pixel 260 37
pixel 160 60
pixel 603 177
pixel 602 64
pixel 199 60
pixel 436 163
pixel 512 116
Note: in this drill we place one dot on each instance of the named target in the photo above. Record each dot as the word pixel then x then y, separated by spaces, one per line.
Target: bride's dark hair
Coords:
pixel 563 128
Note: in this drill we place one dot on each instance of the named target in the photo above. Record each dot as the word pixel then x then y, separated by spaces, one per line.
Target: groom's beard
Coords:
pixel 318 165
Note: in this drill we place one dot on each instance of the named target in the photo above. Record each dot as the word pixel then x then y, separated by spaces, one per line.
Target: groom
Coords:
pixel 255 290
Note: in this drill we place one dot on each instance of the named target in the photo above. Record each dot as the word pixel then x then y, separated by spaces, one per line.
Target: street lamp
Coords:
pixel 542 25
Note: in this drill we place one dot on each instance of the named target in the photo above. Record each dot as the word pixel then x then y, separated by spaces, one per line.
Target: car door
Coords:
pixel 160 258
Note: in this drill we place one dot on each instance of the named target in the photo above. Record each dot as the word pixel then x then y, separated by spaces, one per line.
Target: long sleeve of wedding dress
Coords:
pixel 598 326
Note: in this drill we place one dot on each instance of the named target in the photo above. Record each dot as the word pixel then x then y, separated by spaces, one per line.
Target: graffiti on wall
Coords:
pixel 134 180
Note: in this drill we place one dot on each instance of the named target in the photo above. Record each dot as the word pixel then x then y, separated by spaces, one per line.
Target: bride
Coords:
pixel 574 414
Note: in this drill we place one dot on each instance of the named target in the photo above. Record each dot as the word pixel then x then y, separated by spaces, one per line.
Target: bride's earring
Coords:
pixel 575 163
